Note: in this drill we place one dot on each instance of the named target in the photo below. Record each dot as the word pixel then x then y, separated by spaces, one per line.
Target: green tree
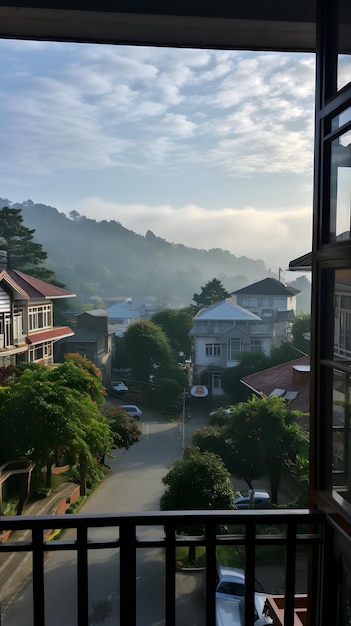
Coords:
pixel 80 374
pixel 148 350
pixel 301 326
pixel 283 353
pixel 211 293
pixel 18 250
pixel 176 324
pixel 263 438
pixel 197 481
pixel 250 362
pixel 43 417
pixel 125 429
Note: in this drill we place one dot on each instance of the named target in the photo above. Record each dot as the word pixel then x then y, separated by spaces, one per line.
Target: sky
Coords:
pixel 212 149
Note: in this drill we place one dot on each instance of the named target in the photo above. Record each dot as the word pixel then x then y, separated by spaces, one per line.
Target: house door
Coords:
pixel 330 477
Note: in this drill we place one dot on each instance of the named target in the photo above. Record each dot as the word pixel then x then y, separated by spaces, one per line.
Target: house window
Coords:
pixel 217 381
pixel 255 345
pixel 213 349
pixel 40 316
pixel 234 349
pixel 249 302
pixel 40 352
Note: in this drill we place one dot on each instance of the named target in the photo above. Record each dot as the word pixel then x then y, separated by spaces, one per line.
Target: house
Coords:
pixel 341 303
pixel 121 315
pixel 290 381
pixel 274 302
pixel 221 332
pixel 27 331
pixel 318 26
pixel 93 339
pixel 253 319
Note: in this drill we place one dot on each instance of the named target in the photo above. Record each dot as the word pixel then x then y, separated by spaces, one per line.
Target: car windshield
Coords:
pixel 231 588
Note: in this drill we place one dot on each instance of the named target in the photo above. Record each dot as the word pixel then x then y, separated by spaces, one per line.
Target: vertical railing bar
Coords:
pixel 38 575
pixel 170 608
pixel 250 562
pixel 127 574
pixel 211 573
pixel 290 574
pixel 82 576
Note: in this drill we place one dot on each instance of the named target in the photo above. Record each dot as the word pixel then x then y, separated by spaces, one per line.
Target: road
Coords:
pixel 134 484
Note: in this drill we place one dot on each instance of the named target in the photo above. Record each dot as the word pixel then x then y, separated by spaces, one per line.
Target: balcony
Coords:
pixel 123 538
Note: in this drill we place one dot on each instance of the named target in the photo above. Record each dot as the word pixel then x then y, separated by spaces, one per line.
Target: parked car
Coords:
pixel 230 592
pixel 119 386
pixel 260 499
pixel 132 410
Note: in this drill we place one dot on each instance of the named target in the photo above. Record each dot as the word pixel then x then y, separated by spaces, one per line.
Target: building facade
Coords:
pixel 27 331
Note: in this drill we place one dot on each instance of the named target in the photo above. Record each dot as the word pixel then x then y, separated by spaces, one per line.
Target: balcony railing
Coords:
pixel 292 532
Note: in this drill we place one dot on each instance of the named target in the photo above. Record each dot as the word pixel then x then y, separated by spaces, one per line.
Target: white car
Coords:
pixel 230 592
pixel 119 386
pixel 132 410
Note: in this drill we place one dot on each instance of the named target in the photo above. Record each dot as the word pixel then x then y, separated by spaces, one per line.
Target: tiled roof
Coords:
pixel 30 287
pixel 226 310
pixel 47 335
pixel 282 377
pixel 268 287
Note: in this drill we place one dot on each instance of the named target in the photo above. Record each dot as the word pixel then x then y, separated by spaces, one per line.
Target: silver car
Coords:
pixel 132 410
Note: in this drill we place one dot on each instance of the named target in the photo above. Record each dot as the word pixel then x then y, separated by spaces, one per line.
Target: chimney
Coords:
pixel 301 374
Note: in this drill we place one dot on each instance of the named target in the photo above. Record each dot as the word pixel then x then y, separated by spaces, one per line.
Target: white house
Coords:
pixel 221 332
pixel 274 302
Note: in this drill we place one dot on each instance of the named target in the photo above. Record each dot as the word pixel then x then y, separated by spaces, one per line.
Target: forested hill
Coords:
pixel 100 258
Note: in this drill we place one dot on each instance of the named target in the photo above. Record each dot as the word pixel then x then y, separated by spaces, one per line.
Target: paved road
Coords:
pixel 135 484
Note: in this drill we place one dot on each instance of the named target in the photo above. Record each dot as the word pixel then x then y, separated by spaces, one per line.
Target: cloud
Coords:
pixel 275 236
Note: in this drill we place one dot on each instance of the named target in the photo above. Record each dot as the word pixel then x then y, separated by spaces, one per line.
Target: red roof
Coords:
pixel 52 333
pixel 31 287
pixel 292 376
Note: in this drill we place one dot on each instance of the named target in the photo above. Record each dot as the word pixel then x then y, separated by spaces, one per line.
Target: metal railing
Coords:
pixel 291 530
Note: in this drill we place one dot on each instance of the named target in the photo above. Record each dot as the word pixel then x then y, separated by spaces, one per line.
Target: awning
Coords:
pixel 52 334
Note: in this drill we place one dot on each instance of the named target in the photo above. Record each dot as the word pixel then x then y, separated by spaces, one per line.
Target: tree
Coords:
pixel 283 353
pixel 125 429
pixel 148 350
pixel 211 293
pixel 43 417
pixel 197 481
pixel 300 327
pixel 250 362
pixel 18 250
pixel 176 324
pixel 263 438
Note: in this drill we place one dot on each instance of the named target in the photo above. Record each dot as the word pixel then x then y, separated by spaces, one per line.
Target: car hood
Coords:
pixel 228 611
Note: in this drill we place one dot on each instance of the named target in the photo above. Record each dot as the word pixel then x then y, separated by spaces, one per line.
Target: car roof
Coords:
pixel 231 573
pixel 130 406
pixel 258 493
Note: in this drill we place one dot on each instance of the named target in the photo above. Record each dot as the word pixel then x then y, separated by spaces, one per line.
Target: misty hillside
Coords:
pixel 102 258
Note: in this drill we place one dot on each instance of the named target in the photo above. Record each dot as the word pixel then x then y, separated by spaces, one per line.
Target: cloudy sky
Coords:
pixel 213 149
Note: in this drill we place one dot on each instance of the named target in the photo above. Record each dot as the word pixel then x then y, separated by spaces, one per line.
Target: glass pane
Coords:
pixel 342 314
pixel 340 187
pixel 344 49
pixel 341 443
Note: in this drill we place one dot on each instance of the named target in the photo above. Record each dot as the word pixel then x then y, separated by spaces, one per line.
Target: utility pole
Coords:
pixel 183 420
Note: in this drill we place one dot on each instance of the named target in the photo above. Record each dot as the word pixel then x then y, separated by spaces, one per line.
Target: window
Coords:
pixel 213 349
pixel 255 345
pixel 40 317
pixel 234 349
pixel 41 351
pixel 249 302
pixel 217 381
